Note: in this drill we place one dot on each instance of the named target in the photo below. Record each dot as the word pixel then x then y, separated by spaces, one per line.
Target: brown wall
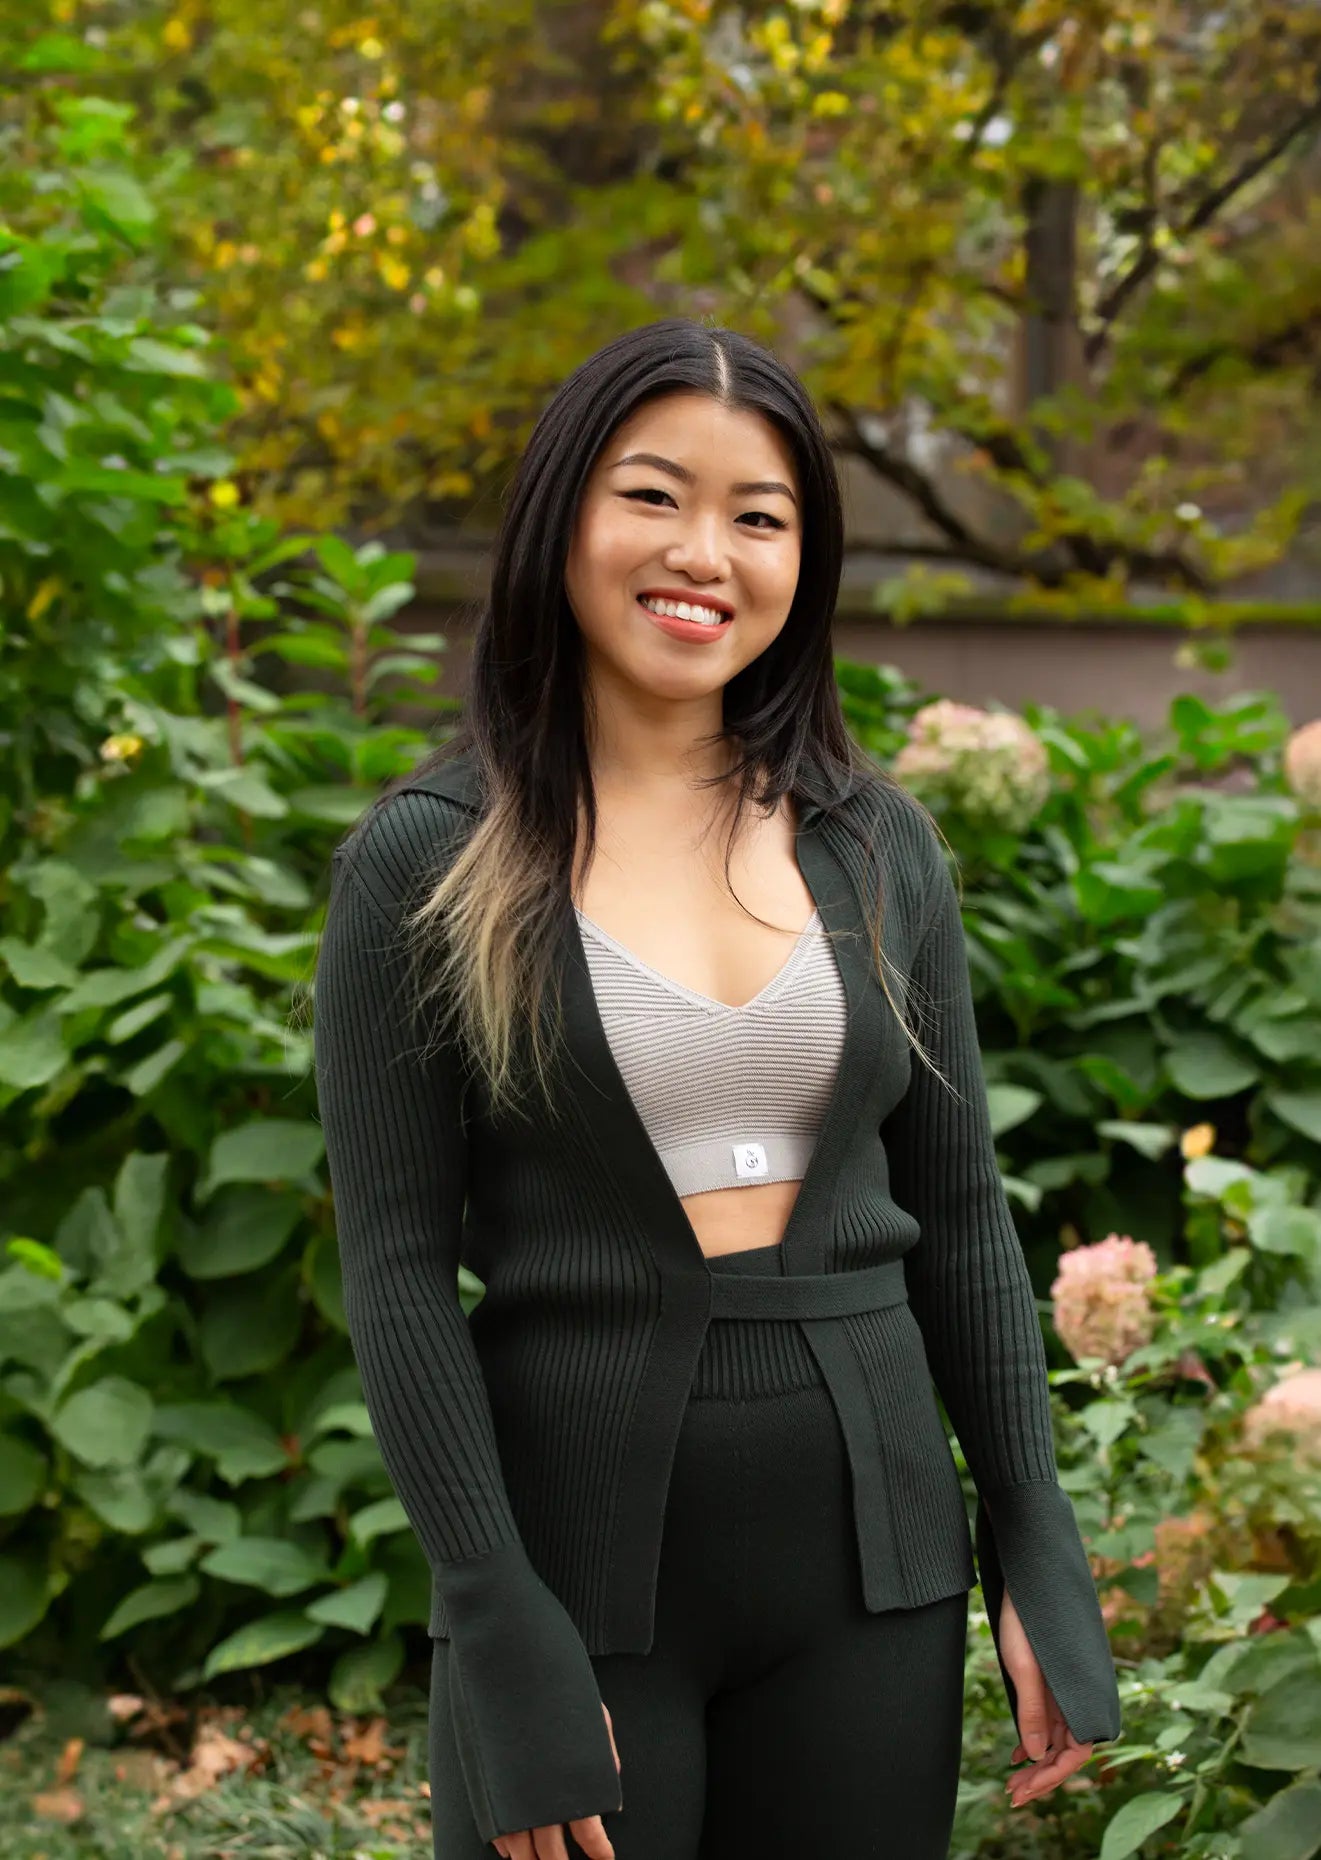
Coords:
pixel 1120 670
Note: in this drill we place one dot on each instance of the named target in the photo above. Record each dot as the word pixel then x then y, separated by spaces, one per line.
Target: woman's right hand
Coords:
pixel 548 1843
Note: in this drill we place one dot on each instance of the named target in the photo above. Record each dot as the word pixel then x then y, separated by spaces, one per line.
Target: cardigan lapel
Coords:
pixel 609 1108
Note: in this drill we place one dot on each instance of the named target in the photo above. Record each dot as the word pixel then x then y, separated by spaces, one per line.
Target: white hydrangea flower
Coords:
pixel 989 765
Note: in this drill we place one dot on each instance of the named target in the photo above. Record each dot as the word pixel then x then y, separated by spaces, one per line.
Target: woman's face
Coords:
pixel 678 525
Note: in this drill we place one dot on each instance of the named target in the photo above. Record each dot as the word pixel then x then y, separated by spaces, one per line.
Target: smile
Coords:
pixel 684 610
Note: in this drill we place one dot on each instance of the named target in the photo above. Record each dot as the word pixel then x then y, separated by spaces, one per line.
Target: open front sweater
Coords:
pixel 531 1447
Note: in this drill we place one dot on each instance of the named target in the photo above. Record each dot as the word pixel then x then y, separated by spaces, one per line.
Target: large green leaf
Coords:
pixel 266 1149
pixel 1288 1828
pixel 1140 1816
pixel 121 1496
pixel 240 1442
pixel 270 1563
pixel 24 1596
pixel 1301 1110
pixel 22 1475
pixel 243 1227
pixel 107 1424
pixel 360 1675
pixel 381 1519
pixel 355 1607
pixel 249 1326
pixel 1010 1106
pixel 258 1643
pixel 152 1601
pixel 1282 1730
pixel 32 1050
pixel 324 1278
pixel 1203 1064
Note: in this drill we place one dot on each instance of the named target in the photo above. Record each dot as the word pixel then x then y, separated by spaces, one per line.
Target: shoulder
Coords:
pixel 404 842
pixel 902 837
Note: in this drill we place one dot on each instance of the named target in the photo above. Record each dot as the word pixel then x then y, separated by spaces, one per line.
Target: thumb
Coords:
pixel 1033 1713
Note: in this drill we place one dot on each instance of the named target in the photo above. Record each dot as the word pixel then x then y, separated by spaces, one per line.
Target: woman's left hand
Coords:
pixel 1053 1749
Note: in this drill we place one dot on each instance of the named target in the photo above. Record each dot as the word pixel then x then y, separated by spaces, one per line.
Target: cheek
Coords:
pixel 774 575
pixel 605 539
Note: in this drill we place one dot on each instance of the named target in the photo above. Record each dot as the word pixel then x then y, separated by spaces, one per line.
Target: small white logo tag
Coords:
pixel 749 1159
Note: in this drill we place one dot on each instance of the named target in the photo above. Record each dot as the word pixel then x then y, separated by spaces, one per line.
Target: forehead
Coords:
pixel 698 431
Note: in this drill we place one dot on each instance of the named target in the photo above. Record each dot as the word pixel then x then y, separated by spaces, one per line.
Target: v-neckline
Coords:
pixel 695 994
pixel 624 1139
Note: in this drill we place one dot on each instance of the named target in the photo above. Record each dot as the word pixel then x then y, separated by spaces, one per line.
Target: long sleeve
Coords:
pixel 532 1736
pixel 970 1292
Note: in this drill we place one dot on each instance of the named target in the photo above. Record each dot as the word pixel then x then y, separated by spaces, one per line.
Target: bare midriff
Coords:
pixel 657 884
pixel 730 1220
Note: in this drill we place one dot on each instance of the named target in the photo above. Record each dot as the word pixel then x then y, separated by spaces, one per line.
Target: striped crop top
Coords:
pixel 730 1096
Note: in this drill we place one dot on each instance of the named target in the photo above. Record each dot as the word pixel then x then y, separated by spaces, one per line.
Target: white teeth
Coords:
pixel 683 610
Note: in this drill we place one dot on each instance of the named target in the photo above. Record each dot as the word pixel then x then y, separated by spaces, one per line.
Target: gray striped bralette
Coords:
pixel 729 1095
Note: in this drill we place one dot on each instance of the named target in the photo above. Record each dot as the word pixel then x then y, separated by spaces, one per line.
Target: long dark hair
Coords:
pixel 484 939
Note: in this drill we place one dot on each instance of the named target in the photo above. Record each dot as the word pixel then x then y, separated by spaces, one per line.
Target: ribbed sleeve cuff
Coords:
pixel 531 1734
pixel 1027 1536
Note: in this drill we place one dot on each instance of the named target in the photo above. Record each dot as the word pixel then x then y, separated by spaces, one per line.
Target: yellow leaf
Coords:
pixel 177 34
pixel 45 594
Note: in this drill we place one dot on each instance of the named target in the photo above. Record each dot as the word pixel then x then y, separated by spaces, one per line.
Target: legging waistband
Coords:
pixel 743 1358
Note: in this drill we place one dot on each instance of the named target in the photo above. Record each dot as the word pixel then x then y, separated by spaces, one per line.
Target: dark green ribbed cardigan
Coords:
pixel 531 1447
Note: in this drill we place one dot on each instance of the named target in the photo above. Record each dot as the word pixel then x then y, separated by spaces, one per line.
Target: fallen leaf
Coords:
pixel 70 1757
pixel 214 1754
pixel 64 1805
pixel 310 1721
pixel 368 1745
pixel 374 1809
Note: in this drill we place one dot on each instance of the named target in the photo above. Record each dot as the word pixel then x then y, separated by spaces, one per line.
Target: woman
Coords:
pixel 710 1126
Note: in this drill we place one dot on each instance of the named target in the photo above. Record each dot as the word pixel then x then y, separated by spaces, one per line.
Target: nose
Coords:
pixel 699 551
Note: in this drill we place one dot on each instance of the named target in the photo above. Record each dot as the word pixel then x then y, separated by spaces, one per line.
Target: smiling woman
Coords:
pixel 698 546
pixel 687 1496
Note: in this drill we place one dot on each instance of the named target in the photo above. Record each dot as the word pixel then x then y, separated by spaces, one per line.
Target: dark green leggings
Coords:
pixel 773 1714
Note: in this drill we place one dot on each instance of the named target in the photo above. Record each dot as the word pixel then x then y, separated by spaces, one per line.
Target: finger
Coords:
pixel 591 1836
pixel 548 1842
pixel 1034 1714
pixel 1030 1785
pixel 613 1747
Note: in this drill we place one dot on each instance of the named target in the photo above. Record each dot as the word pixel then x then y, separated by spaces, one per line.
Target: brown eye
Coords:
pixel 653 490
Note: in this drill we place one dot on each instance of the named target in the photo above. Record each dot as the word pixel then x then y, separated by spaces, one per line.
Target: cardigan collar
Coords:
pixel 625 1145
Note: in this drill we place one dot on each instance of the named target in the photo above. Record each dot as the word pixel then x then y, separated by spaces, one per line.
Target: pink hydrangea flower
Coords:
pixel 1102 1302
pixel 988 764
pixel 1302 763
pixel 1287 1417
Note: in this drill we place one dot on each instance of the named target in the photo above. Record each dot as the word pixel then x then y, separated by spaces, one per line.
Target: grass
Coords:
pixel 86 1778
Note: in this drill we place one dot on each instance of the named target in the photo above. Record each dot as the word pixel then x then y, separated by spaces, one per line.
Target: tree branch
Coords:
pixel 1201 216
pixel 1083 553
pixel 1269 352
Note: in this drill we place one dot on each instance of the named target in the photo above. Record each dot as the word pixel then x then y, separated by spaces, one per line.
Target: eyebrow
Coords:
pixel 757 487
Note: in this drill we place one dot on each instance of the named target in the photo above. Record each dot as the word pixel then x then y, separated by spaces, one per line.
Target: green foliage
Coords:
pixel 181 1425
pixel 1053 273
pixel 187 1470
